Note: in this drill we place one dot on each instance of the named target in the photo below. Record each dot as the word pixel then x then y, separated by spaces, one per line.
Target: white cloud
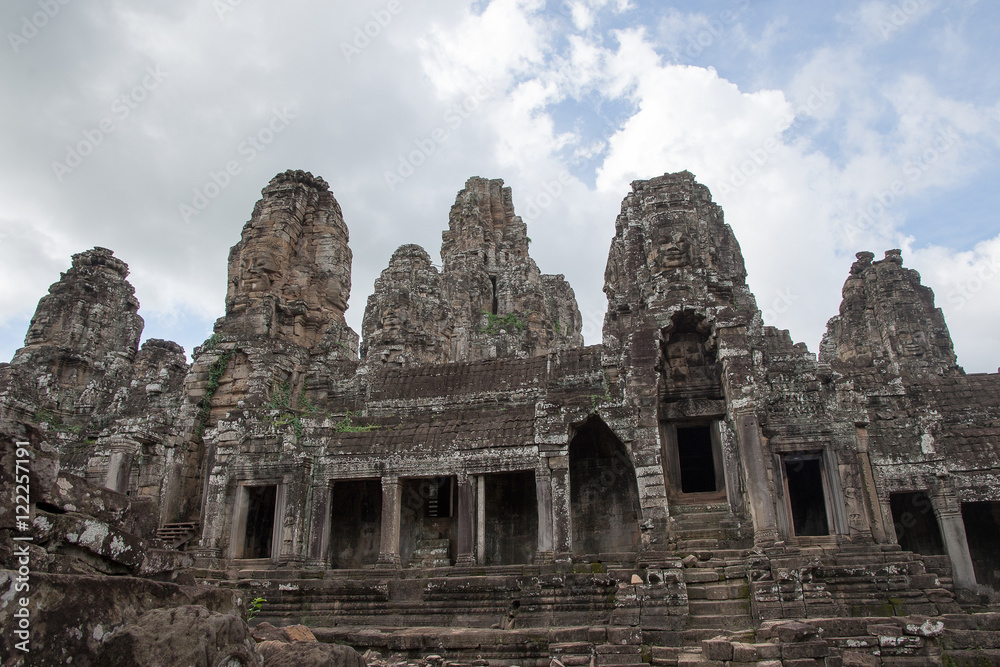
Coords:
pixel 792 158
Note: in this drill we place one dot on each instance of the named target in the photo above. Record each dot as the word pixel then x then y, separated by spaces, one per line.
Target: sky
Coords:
pixel 822 129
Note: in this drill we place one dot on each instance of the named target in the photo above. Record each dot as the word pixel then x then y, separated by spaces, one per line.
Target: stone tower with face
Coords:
pixel 290 274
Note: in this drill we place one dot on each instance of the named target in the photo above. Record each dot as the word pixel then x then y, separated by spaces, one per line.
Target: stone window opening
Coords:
pixel 496 298
pixel 916 525
pixel 806 493
pixel 440 498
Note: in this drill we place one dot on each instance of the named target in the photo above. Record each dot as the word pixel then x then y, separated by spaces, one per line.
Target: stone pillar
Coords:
pixel 562 511
pixel 465 525
pixel 544 552
pixel 751 448
pixel 481 519
pixel 955 541
pixel 319 528
pixel 876 517
pixel 388 554
pixel 119 467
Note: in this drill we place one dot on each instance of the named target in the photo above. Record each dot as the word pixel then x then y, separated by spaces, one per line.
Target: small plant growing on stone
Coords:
pixel 254 608
pixel 214 377
pixel 280 396
pixel 502 323
pixel 346 425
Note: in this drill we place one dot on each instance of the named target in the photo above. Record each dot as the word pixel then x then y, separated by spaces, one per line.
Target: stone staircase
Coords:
pixel 177 534
pixel 704 526
pixel 431 553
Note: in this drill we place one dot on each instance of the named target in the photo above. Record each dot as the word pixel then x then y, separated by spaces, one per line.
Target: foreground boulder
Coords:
pixel 188 635
pixel 313 654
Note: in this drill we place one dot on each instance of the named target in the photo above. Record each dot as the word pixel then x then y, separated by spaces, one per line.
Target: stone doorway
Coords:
pixel 258 504
pixel 916 525
pixel 982 530
pixel 509 532
pixel 355 523
pixel 806 492
pixel 693 459
pixel 427 527
pixel 604 495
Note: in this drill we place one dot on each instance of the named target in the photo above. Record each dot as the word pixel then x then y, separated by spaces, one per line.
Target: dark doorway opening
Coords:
pixel 260 521
pixel 806 495
pixel 697 463
pixel 604 495
pixel 496 300
pixel 917 528
pixel 982 531
pixel 511 517
pixel 427 526
pixel 355 523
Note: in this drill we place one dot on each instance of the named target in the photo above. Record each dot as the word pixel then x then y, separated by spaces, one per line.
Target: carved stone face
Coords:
pixel 334 293
pixel 912 344
pixel 261 271
pixel 673 250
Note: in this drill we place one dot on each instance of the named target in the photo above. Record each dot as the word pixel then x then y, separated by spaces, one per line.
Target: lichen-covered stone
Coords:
pixel 187 635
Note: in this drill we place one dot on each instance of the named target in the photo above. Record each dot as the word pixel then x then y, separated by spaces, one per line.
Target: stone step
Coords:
pixel 716 607
pixel 716 623
pixel 719 591
pixel 692 659
pixel 433 544
pixel 698 544
pixel 699 508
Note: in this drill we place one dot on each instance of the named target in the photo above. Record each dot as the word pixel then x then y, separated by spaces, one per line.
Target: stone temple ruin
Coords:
pixel 473 481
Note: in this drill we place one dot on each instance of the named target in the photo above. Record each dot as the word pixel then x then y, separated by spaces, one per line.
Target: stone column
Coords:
pixel 319 529
pixel 465 525
pixel 760 495
pixel 544 552
pixel 119 465
pixel 388 554
pixel 955 540
pixel 876 517
pixel 562 511
pixel 480 519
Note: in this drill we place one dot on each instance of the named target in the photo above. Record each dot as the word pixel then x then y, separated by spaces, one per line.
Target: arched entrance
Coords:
pixel 604 496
